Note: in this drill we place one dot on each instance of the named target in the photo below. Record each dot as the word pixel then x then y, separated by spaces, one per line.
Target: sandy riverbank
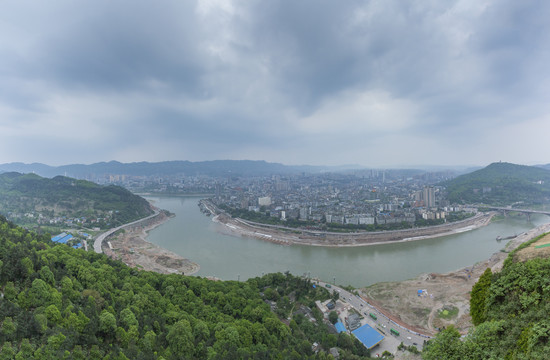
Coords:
pixel 451 291
pixel 132 247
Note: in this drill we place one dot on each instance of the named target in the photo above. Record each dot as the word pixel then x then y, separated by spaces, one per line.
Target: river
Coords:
pixel 194 236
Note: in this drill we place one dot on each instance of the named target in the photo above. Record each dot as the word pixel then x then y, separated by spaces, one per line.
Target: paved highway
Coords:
pixel 100 238
pixel 382 324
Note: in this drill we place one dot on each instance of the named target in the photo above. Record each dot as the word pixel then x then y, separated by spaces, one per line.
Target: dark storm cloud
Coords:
pixel 114 45
pixel 311 81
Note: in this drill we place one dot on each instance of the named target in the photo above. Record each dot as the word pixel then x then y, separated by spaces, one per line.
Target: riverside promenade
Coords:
pixel 289 236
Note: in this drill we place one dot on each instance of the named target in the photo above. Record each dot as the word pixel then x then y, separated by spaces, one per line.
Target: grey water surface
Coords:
pixel 195 236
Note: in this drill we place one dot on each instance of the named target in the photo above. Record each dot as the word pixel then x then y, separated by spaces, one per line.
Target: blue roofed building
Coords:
pixel 59 237
pixel 65 239
pixel 62 238
pixel 340 326
pixel 368 336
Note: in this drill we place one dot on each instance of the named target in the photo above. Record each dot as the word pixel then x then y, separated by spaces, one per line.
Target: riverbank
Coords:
pixel 288 236
pixel 131 247
pixel 420 303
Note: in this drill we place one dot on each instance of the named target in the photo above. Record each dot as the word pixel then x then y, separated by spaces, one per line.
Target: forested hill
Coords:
pixel 62 303
pixel 511 311
pixel 29 195
pixel 501 184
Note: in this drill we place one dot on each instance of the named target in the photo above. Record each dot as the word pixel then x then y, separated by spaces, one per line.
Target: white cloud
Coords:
pixel 365 113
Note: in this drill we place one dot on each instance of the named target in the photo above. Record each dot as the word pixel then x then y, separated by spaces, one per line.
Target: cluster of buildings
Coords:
pixel 355 198
pixel 351 322
pixel 70 239
pixel 36 217
pixel 338 199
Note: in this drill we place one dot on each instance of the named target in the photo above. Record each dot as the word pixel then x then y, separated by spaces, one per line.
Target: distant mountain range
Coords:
pixel 213 168
pixel 501 184
pixel 166 168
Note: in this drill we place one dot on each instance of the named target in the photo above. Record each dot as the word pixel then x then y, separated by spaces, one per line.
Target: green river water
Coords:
pixel 195 236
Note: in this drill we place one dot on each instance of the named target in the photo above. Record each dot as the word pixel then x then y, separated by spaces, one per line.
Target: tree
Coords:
pixel 107 323
pixel 8 328
pixel 53 314
pixel 148 341
pixel 478 297
pixel 26 350
pixel 9 291
pixel 446 345
pixel 7 352
pixel 39 293
pixel 47 275
pixel 180 339
pixel 127 318
pixel 333 317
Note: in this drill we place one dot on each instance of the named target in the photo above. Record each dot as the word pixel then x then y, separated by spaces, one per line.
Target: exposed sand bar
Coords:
pixel 132 248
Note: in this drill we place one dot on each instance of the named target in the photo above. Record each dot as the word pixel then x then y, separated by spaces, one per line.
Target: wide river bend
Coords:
pixel 196 237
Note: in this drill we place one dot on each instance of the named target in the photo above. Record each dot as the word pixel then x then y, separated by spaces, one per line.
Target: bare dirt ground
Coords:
pixel 532 251
pixel 439 292
pixel 130 246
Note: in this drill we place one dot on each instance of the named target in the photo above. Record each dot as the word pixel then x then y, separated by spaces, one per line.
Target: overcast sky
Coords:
pixel 376 83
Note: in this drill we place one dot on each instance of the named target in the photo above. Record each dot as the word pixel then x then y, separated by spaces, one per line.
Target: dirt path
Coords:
pixel 131 247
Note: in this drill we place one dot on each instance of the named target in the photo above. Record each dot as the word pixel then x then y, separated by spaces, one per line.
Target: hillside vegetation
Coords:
pixel 62 303
pixel 501 184
pixel 32 199
pixel 511 311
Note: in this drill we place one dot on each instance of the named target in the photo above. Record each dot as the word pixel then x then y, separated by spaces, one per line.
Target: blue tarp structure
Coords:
pixel 77 246
pixel 65 239
pixel 62 238
pixel 368 336
pixel 59 237
pixel 340 327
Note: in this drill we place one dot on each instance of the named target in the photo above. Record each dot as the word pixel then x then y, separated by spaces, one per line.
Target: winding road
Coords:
pixel 99 240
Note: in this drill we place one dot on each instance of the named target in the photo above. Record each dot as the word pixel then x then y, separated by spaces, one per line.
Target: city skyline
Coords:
pixel 376 84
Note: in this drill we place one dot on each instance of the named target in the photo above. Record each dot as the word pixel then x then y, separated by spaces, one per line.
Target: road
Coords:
pixel 382 324
pixel 100 238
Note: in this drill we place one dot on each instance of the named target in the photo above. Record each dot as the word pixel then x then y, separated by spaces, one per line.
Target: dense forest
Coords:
pixel 62 196
pixel 501 184
pixel 62 303
pixel 511 311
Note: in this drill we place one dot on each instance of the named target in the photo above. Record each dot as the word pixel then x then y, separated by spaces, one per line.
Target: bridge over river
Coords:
pixel 527 212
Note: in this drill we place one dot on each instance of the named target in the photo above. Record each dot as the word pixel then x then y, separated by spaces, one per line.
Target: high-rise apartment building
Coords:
pixel 428 195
